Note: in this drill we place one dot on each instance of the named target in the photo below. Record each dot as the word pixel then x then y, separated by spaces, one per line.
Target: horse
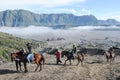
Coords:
pixel 80 57
pixel 38 58
pixel 19 55
pixel 70 56
pixel 110 56
pixel 17 62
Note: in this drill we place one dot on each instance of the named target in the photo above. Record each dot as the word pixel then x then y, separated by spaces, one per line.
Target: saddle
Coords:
pixel 29 57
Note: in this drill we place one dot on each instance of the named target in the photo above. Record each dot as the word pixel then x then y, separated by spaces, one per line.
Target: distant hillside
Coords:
pixel 8 44
pixel 26 18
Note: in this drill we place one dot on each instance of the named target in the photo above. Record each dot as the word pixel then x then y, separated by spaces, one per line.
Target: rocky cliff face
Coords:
pixel 26 18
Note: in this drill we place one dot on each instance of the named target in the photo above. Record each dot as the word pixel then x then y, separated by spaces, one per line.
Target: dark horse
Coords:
pixel 69 55
pixel 110 55
pixel 38 58
pixel 19 55
pixel 17 61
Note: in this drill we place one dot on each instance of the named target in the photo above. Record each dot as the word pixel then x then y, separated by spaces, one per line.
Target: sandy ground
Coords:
pixel 94 68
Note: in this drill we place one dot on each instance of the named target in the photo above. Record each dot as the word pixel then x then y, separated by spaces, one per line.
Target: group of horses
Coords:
pixel 20 56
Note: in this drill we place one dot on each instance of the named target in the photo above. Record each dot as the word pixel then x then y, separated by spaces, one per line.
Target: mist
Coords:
pixel 76 33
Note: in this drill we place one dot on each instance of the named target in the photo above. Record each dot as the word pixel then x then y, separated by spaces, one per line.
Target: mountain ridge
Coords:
pixel 16 18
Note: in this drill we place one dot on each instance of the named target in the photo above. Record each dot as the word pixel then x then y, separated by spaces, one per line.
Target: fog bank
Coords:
pixel 43 33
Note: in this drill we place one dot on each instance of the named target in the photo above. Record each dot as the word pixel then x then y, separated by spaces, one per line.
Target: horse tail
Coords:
pixel 43 59
pixel 11 57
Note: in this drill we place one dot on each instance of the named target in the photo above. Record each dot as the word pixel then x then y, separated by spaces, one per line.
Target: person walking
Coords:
pixel 57 54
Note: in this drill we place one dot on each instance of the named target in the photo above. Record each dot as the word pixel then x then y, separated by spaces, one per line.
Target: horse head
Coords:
pixel 62 54
pixel 14 56
pixel 17 55
pixel 22 51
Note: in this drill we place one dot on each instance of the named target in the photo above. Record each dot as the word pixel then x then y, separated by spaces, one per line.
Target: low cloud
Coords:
pixel 43 33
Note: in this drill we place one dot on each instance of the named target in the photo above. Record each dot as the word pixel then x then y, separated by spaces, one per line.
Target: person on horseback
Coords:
pixel 74 49
pixel 57 54
pixel 111 51
pixel 29 46
pixel 30 52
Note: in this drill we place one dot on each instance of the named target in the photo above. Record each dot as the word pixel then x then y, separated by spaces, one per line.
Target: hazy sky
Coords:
pixel 102 9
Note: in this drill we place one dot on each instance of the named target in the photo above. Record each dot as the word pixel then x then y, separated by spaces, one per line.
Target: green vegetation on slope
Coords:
pixel 9 43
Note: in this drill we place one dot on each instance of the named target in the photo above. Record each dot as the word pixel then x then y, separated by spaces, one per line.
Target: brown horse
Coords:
pixel 38 58
pixel 79 56
pixel 110 56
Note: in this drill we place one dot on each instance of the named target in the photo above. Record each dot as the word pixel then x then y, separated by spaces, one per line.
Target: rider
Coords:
pixel 30 52
pixel 110 51
pixel 74 49
pixel 29 46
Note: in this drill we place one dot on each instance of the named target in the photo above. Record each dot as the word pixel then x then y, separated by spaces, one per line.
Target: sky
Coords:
pixel 102 9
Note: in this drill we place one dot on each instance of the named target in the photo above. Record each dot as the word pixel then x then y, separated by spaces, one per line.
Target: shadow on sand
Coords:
pixel 52 64
pixel 94 62
pixel 7 71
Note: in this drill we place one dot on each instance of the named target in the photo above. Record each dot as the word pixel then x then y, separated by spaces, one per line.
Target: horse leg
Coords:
pixel 70 61
pixel 20 65
pixel 107 61
pixel 65 62
pixel 16 63
pixel 81 62
pixel 37 67
pixel 78 62
pixel 113 60
pixel 25 67
pixel 43 59
pixel 40 67
pixel 110 60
